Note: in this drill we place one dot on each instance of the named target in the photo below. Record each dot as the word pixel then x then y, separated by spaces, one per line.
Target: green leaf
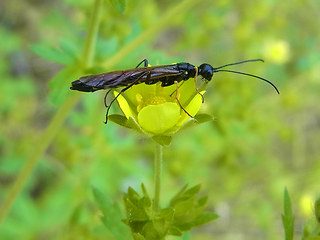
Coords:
pixel 119 5
pixel 198 119
pixel 167 214
pixel 136 207
pixel 60 84
pixel 185 194
pixel 111 215
pixel 204 218
pixel 132 123
pixel 124 122
pixel 192 191
pixel 317 209
pixel 179 194
pixel 202 118
pixel 162 140
pixel 144 190
pixel 118 119
pixel 69 48
pixel 189 209
pixel 175 231
pixel 52 54
pixel 287 217
pixel 202 201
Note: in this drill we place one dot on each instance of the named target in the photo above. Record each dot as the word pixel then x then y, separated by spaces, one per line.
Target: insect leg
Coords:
pixel 122 91
pixel 145 63
pixel 105 97
pixel 177 84
pixel 195 82
pixel 176 89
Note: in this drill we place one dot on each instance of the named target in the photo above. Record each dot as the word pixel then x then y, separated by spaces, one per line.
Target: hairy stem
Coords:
pixel 157 176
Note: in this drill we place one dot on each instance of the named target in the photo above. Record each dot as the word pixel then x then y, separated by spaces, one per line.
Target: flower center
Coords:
pixel 152 99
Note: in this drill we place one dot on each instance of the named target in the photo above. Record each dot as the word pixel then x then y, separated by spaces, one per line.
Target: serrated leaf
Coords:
pixel 167 214
pixel 119 5
pixel 136 207
pixel 111 215
pixel 204 218
pixel 178 195
pixel 287 217
pixel 145 202
pixel 162 140
pixel 144 190
pixel 173 230
pixel 70 48
pixel 133 195
pixel 52 54
pixel 203 201
pixel 185 194
pixel 193 191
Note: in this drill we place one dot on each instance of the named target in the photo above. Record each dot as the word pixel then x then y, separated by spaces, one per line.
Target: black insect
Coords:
pixel 166 74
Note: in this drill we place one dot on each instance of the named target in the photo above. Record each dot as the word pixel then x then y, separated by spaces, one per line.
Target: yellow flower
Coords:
pixel 153 110
pixel 277 51
pixel 306 203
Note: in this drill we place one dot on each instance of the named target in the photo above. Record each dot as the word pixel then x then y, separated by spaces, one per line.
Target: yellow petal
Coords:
pixel 125 108
pixel 192 108
pixel 159 118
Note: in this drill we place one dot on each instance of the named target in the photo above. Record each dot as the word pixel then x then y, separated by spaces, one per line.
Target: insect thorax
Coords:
pixel 187 70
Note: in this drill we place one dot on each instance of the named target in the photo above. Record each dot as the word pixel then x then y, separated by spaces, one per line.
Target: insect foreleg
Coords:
pixel 146 63
pixel 195 82
pixel 177 84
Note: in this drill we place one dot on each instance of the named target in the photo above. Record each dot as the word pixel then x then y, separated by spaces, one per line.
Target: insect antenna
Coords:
pixel 250 75
pixel 236 63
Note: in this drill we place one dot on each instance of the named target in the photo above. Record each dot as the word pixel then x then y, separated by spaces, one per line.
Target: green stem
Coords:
pixel 157 176
pixel 90 43
pixel 57 120
pixel 30 164
pixel 179 10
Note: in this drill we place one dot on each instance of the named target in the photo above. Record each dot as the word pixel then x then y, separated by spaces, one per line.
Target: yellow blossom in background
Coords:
pixel 276 51
pixel 307 205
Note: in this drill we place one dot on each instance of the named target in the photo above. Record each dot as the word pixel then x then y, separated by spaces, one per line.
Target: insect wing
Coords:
pixel 116 79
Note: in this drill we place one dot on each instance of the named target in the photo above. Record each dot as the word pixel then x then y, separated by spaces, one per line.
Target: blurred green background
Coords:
pixel 259 143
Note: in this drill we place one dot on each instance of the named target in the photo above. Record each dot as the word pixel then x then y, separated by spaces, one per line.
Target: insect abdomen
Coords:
pixel 81 86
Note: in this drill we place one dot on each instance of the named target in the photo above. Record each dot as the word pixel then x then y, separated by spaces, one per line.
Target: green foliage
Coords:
pixel 185 212
pixel 311 229
pixel 111 216
pixel 317 209
pixel 119 5
pixel 258 143
pixel 287 217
